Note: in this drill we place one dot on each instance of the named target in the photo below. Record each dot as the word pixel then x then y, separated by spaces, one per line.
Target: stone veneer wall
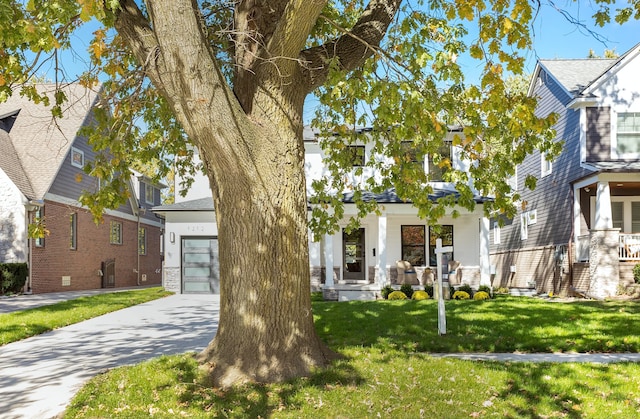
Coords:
pixel 171 279
pixel 604 271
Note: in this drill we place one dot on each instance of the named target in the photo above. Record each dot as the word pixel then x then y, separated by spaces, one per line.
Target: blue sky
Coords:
pixel 554 37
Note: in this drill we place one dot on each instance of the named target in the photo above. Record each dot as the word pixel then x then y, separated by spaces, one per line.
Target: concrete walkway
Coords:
pixel 40 375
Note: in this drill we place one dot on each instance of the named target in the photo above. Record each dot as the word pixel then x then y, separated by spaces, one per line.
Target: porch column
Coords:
pixel 485 260
pixel 604 265
pixel 604 220
pixel 382 249
pixel 328 260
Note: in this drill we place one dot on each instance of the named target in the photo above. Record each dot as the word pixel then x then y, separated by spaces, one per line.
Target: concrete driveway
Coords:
pixel 40 375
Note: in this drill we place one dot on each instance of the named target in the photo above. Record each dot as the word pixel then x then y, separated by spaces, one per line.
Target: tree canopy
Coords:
pixel 231 79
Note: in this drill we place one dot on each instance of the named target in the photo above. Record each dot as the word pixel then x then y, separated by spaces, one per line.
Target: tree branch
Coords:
pixel 352 48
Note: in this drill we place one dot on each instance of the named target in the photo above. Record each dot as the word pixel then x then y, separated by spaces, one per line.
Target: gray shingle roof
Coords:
pixel 202 204
pixel 390 197
pixel 577 74
pixel 10 164
pixel 40 142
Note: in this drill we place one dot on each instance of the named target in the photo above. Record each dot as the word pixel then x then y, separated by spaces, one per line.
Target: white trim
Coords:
pixel 614 136
pixel 524 226
pixel 497 234
pixel 546 167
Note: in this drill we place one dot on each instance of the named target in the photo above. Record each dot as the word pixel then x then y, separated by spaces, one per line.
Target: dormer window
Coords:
pixel 436 167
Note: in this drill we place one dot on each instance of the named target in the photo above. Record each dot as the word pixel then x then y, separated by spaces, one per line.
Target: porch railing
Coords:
pixel 629 248
pixel 582 248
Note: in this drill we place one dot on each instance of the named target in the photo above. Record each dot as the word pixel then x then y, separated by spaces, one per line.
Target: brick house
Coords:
pixel 41 176
pixel 579 230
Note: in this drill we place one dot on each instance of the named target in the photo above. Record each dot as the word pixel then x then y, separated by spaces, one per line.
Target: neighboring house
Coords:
pixel 579 230
pixel 41 177
pixel 345 265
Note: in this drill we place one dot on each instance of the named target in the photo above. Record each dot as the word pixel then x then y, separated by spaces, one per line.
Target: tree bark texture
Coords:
pixel 250 140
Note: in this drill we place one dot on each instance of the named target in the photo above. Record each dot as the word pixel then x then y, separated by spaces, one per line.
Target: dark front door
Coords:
pixel 353 255
pixel 200 265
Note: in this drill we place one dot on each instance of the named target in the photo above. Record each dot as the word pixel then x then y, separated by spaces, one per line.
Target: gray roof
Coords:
pixel 391 197
pixel 40 142
pixel 202 204
pixel 10 164
pixel 577 74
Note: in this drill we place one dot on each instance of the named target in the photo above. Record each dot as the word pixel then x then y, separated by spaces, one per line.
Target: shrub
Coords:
pixel 385 291
pixel 407 289
pixel 636 273
pixel 397 295
pixel 466 288
pixel 485 288
pixel 420 295
pixel 13 276
pixel 461 295
pixel 481 295
pixel 502 290
pixel 429 290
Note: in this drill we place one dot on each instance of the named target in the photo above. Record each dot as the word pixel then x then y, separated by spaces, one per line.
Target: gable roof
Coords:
pixel 576 74
pixel 10 164
pixel 41 142
pixel 579 76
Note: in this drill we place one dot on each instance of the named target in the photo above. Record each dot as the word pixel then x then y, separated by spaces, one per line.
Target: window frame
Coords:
pixel 616 121
pixel 77 157
pixel 414 246
pixel 524 225
pixel 433 168
pixel 497 233
pixel 546 167
pixel 434 236
pixel 115 235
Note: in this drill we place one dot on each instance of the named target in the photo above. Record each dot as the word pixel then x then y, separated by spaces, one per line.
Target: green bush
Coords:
pixel 485 288
pixel 466 288
pixel 481 295
pixel 502 290
pixel 385 291
pixel 636 273
pixel 13 276
pixel 397 295
pixel 429 290
pixel 461 295
pixel 420 295
pixel 407 289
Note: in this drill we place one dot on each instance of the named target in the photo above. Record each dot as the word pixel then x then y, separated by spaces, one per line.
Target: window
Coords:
pixel 628 133
pixel 413 244
pixel 617 215
pixel 437 162
pixel 496 233
pixel 115 234
pixel 148 193
pixel 513 180
pixel 77 157
pixel 356 155
pixel 142 241
pixel 38 222
pixel 446 234
pixel 545 165
pixel 73 224
pixel 635 217
pixel 524 225
pixel 410 153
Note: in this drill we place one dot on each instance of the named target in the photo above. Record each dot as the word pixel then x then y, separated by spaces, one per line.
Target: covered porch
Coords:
pixel 606 236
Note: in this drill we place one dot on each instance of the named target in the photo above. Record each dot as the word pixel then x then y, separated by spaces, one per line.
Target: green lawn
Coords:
pixel 23 324
pixel 388 372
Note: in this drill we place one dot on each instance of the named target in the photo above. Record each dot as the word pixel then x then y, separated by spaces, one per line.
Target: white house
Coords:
pixel 344 265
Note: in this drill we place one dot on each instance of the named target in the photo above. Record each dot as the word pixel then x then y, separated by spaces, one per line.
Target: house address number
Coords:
pixel 195 228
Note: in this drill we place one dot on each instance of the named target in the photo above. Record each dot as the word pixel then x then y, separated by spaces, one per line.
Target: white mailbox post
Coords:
pixel 442 319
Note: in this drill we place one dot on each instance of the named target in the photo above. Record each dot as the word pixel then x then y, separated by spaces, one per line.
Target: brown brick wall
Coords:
pixel 56 259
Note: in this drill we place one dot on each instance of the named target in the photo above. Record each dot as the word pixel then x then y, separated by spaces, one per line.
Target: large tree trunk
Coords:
pixel 255 163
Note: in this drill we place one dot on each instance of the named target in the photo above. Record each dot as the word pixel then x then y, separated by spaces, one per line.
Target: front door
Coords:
pixel 200 265
pixel 353 255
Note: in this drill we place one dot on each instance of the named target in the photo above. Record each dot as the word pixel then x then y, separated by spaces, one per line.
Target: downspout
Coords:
pixel 137 247
pixel 30 207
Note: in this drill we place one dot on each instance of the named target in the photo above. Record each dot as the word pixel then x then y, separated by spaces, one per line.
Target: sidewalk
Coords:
pixel 40 375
